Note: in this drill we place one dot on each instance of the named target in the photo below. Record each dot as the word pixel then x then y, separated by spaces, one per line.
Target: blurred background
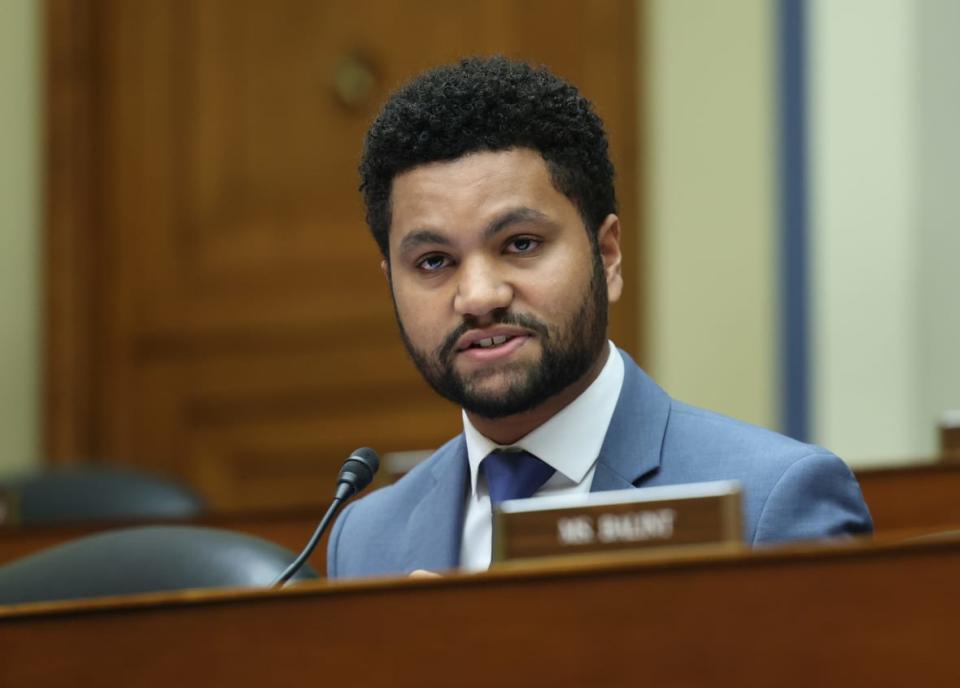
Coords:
pixel 187 285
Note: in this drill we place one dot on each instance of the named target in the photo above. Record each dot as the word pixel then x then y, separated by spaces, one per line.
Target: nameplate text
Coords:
pixel 694 514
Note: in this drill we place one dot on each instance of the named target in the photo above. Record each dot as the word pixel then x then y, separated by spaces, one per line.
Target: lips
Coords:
pixel 497 353
pixel 491 341
pixel 492 344
pixel 489 338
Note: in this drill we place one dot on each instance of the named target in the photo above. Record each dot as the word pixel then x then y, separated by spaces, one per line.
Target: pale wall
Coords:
pixel 19 233
pixel 884 160
pixel 939 219
pixel 711 222
pixel 885 99
pixel 864 205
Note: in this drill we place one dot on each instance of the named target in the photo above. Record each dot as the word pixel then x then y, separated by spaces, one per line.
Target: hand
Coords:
pixel 423 573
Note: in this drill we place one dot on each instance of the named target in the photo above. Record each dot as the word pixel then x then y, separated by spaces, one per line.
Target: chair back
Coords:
pixel 95 493
pixel 130 561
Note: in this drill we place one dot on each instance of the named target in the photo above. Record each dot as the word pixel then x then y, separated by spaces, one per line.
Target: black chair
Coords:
pixel 145 559
pixel 93 492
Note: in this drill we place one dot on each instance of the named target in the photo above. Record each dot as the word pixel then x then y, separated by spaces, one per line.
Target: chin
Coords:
pixel 500 401
pixel 498 381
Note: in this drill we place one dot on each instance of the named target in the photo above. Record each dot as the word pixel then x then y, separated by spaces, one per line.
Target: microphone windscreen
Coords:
pixel 358 470
pixel 367 456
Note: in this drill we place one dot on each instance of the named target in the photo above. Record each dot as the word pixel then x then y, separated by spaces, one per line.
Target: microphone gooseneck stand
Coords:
pixel 357 472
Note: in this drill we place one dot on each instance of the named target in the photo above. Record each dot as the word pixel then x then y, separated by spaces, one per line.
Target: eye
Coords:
pixel 522 244
pixel 433 262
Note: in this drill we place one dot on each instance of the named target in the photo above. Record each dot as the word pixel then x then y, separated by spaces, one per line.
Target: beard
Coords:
pixel 569 350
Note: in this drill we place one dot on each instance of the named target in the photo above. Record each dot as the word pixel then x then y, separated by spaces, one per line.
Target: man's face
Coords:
pixel 500 296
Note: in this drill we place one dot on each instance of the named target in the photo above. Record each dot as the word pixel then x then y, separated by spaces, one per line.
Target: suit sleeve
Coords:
pixel 816 497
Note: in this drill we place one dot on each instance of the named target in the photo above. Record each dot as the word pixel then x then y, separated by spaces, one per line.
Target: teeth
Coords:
pixel 491 341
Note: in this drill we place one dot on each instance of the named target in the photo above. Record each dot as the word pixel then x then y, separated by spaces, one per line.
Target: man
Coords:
pixel 490 192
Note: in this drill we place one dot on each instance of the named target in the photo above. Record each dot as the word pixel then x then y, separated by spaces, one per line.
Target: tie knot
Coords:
pixel 513 475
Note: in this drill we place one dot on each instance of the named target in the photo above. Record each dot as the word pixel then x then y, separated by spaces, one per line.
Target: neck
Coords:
pixel 509 429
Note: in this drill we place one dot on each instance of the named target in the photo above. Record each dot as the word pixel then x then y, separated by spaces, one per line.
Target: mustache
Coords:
pixel 449 345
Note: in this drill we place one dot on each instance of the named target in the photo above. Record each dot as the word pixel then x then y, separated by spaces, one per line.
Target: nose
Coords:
pixel 481 288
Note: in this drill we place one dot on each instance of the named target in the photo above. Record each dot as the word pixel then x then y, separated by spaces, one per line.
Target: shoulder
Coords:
pixel 688 427
pixel 792 490
pixel 367 536
pixel 729 441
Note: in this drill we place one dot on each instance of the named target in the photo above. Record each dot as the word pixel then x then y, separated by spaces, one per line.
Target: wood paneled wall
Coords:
pixel 214 304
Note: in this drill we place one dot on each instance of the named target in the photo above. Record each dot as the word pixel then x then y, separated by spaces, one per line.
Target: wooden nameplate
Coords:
pixel 673 515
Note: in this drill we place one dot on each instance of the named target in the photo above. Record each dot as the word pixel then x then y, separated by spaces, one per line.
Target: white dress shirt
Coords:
pixel 569 442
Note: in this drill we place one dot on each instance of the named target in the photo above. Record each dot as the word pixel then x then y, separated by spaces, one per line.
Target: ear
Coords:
pixel 385 269
pixel 608 241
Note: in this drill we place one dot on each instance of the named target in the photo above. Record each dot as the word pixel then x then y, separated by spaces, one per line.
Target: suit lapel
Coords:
pixel 634 439
pixel 436 523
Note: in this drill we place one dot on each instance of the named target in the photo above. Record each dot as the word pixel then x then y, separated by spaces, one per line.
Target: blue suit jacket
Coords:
pixel 791 490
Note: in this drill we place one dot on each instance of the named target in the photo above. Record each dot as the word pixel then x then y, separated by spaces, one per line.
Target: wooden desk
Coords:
pixel 916 497
pixel 860 614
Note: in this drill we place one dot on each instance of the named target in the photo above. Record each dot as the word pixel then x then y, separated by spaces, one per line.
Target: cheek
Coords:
pixel 420 314
pixel 562 288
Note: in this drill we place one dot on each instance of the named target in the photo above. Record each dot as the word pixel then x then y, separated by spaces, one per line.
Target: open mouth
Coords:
pixel 494 348
pixel 491 342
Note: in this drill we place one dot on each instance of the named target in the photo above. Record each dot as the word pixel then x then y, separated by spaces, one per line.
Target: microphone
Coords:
pixel 356 473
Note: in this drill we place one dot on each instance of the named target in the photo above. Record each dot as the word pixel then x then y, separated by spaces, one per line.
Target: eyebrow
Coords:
pixel 422 236
pixel 430 236
pixel 510 217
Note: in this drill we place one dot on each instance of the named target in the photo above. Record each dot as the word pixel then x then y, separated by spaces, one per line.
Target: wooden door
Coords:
pixel 215 305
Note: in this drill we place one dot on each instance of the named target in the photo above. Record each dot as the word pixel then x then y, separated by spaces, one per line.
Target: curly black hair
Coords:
pixel 488 104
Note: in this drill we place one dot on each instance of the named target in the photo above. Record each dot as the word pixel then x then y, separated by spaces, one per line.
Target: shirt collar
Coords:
pixel 570 441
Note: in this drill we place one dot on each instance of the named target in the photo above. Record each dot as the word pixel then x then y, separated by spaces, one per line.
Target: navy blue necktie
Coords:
pixel 513 475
